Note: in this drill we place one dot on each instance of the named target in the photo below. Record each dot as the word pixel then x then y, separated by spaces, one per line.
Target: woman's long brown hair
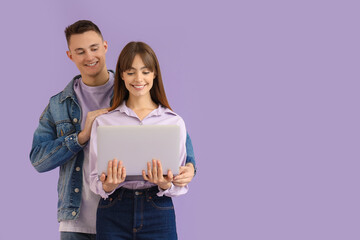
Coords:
pixel 124 63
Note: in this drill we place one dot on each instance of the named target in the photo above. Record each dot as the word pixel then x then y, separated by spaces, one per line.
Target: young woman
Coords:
pixel 137 209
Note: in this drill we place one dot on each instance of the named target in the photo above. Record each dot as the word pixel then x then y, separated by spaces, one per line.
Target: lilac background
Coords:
pixel 268 89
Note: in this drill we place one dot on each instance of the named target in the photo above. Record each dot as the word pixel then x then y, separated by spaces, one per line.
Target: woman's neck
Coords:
pixel 142 105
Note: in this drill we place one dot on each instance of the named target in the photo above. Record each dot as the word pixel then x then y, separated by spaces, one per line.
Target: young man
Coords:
pixel 65 126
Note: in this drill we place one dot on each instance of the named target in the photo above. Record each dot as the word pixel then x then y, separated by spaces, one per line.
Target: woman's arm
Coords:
pixel 188 171
pixel 166 186
pixel 155 175
pixel 116 173
pixel 185 176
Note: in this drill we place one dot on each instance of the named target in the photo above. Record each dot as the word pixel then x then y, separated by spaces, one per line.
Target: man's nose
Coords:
pixel 89 55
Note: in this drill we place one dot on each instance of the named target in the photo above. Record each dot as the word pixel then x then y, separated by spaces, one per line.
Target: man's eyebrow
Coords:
pixel 91 46
pixel 78 49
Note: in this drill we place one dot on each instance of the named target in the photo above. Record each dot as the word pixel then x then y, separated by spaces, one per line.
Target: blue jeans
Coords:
pixel 76 236
pixel 136 214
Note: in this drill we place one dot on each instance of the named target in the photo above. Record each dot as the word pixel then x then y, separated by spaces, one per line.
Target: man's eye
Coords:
pixel 94 49
pixel 80 53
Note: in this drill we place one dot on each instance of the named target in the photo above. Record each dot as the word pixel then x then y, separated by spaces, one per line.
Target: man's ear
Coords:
pixel 68 53
pixel 105 46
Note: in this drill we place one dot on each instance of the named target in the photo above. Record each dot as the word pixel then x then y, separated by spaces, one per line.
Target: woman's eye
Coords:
pixel 146 73
pixel 130 73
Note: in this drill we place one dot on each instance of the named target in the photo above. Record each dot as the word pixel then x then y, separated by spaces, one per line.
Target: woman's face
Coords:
pixel 138 79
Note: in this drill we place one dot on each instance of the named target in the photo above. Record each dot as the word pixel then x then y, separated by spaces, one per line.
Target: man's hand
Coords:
pixel 84 135
pixel 185 176
pixel 155 175
pixel 116 174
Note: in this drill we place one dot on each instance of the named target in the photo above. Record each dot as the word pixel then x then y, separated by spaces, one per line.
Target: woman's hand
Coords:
pixel 116 174
pixel 155 175
pixel 185 176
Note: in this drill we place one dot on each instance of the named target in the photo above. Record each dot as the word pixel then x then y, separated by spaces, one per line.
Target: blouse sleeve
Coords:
pixel 174 191
pixel 95 183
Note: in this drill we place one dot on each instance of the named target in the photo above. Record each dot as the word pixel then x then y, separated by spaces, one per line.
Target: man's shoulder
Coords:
pixel 56 96
pixel 67 92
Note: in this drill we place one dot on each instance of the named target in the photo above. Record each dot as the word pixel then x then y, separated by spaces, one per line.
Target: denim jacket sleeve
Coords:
pixel 53 145
pixel 190 156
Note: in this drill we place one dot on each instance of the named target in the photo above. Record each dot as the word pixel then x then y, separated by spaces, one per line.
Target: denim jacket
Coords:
pixel 55 144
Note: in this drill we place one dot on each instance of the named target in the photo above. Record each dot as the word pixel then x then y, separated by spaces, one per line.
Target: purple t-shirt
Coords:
pixel 90 99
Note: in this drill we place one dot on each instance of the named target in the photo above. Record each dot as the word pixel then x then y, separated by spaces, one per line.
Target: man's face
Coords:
pixel 87 50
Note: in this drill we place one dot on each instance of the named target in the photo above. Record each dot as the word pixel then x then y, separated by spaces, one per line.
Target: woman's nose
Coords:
pixel 138 77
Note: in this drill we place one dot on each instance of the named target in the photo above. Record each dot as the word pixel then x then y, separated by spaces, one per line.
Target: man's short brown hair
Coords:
pixel 79 27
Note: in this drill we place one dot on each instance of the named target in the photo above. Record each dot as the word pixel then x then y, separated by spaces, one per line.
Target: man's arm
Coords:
pixel 48 150
pixel 190 156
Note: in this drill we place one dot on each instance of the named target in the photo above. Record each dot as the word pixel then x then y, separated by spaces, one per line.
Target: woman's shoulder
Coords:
pixel 109 117
pixel 173 116
pixel 167 111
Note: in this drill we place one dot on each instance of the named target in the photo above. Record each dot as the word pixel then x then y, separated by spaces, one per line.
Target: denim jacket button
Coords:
pixel 73 213
pixel 75 120
pixel 76 190
pixel 77 169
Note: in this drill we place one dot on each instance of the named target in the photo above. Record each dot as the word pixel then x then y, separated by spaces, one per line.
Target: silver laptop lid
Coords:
pixel 137 145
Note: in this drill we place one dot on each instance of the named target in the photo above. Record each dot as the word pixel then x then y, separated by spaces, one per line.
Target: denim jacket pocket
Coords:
pixel 64 128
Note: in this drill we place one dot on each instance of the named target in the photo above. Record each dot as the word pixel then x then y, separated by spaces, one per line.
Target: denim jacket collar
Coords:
pixel 69 90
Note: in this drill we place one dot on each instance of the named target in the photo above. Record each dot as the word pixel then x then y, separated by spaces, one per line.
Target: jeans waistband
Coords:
pixel 132 193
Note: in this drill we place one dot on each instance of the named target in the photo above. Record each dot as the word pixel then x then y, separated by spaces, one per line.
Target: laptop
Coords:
pixel 135 145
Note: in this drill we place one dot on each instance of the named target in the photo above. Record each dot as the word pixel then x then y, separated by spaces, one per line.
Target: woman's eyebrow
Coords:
pixel 132 68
